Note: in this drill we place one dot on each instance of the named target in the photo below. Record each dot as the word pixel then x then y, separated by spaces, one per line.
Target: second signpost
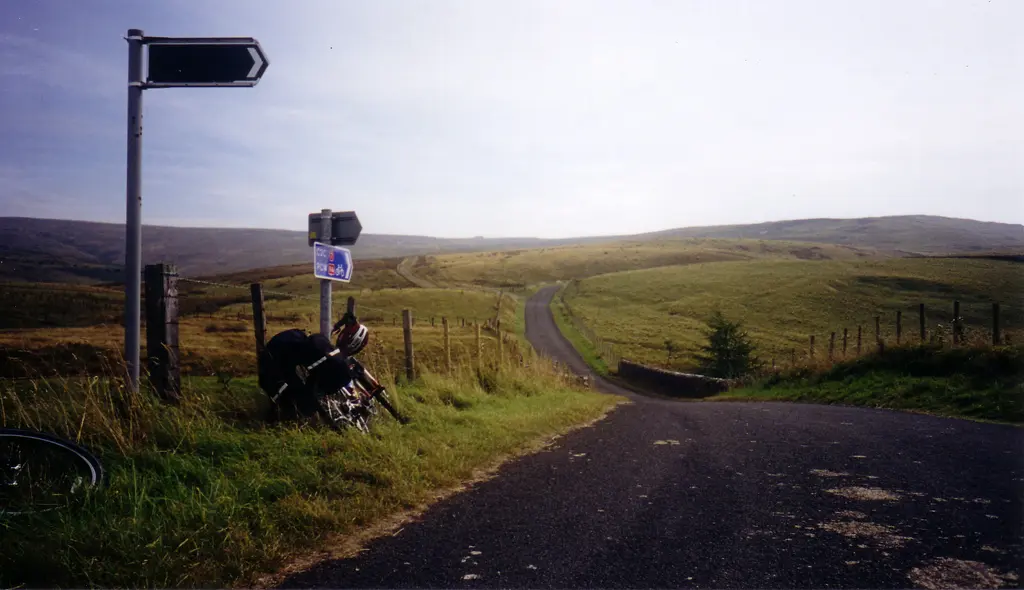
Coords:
pixel 328 231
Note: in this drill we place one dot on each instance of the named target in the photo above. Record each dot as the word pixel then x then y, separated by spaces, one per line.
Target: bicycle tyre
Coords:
pixel 81 456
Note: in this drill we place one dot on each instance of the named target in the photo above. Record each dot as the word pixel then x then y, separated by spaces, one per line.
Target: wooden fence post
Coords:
pixel 899 327
pixel 259 317
pixel 832 346
pixel 845 336
pixel 878 332
pixel 501 351
pixel 410 365
pixel 812 346
pixel 859 330
pixel 920 315
pixel 162 330
pixel 792 356
pixel 956 322
pixel 431 321
pixel 479 347
pixel 447 346
pixel 996 337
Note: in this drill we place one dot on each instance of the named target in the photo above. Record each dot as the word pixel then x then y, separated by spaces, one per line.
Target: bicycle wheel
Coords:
pixel 341 410
pixel 40 472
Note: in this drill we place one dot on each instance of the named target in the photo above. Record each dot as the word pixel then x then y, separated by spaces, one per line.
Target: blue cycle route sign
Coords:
pixel 332 263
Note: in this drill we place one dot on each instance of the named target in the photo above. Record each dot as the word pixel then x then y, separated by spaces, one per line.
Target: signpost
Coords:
pixel 327 230
pixel 174 62
pixel 332 263
pixel 345 228
pixel 231 61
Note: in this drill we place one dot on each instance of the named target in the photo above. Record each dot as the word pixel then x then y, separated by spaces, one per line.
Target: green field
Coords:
pixel 222 341
pixel 980 383
pixel 205 494
pixel 783 302
pixel 540 265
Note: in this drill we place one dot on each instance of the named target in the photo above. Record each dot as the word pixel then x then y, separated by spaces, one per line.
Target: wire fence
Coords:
pixel 913 326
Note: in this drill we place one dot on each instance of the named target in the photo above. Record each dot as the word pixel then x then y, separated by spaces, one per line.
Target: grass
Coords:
pixel 591 355
pixel 532 266
pixel 782 302
pixel 35 305
pixel 205 495
pixel 222 341
pixel 978 382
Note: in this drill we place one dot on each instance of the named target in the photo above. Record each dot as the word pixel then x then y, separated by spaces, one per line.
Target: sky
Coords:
pixel 525 118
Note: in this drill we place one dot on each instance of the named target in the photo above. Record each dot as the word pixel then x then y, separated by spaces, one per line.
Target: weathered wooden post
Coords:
pixel 447 346
pixel 956 322
pixel 899 327
pixel 831 346
pixel 812 346
pixel 162 330
pixel 501 351
pixel 920 317
pixel 859 330
pixel 479 347
pixel 845 336
pixel 259 317
pixel 410 365
pixel 996 336
pixel 878 332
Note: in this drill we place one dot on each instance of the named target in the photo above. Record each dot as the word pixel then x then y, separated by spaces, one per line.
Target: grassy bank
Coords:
pixel 979 383
pixel 206 495
pixel 590 354
pixel 782 302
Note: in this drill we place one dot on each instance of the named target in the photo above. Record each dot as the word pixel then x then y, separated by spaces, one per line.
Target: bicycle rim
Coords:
pixel 40 472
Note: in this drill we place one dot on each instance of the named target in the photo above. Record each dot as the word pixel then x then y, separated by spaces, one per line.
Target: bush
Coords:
pixel 729 353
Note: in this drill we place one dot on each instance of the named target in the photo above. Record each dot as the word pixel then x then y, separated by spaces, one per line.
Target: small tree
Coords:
pixel 729 352
pixel 671 348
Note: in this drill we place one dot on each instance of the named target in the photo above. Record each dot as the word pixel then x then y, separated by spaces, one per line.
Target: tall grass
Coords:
pixel 980 382
pixel 206 494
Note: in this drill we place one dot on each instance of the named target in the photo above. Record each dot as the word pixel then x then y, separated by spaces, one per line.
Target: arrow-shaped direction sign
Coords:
pixel 345 228
pixel 200 61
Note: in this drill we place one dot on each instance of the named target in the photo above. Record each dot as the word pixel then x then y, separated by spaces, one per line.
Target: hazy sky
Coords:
pixel 525 118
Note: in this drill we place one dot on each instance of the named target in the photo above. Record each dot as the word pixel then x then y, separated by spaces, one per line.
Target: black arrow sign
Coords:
pixel 205 62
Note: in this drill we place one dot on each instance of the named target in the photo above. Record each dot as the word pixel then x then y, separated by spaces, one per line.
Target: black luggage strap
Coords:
pixel 334 352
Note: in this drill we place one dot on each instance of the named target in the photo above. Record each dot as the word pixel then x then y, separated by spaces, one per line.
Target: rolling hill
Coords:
pixel 87 252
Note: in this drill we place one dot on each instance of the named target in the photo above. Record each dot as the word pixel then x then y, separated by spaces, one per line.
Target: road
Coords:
pixel 665 493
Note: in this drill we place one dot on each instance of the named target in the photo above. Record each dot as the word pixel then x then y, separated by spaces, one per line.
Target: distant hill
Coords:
pixel 907 234
pixel 87 252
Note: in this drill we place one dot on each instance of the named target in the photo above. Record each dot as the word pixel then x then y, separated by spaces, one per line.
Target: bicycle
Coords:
pixel 40 472
pixel 356 404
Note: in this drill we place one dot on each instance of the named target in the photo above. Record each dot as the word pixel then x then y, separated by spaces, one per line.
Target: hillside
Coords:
pixel 78 251
pixel 909 234
pixel 538 265
pixel 782 302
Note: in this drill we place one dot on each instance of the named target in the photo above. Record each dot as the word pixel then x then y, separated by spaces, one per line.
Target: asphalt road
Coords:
pixel 673 494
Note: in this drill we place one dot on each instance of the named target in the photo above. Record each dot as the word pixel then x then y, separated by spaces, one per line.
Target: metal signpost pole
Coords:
pixel 325 284
pixel 173 62
pixel 133 217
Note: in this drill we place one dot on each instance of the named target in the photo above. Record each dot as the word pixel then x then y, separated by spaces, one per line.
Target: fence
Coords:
pixel 478 343
pixel 846 342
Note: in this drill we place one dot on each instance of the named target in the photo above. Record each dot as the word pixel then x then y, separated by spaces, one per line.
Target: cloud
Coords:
pixel 570 118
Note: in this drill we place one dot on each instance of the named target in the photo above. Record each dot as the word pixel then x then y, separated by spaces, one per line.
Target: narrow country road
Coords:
pixel 710 495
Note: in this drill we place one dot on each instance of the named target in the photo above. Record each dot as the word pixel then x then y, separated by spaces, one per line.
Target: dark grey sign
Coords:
pixel 345 228
pixel 231 61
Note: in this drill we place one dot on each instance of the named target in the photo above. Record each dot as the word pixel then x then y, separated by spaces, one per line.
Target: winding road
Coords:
pixel 672 494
